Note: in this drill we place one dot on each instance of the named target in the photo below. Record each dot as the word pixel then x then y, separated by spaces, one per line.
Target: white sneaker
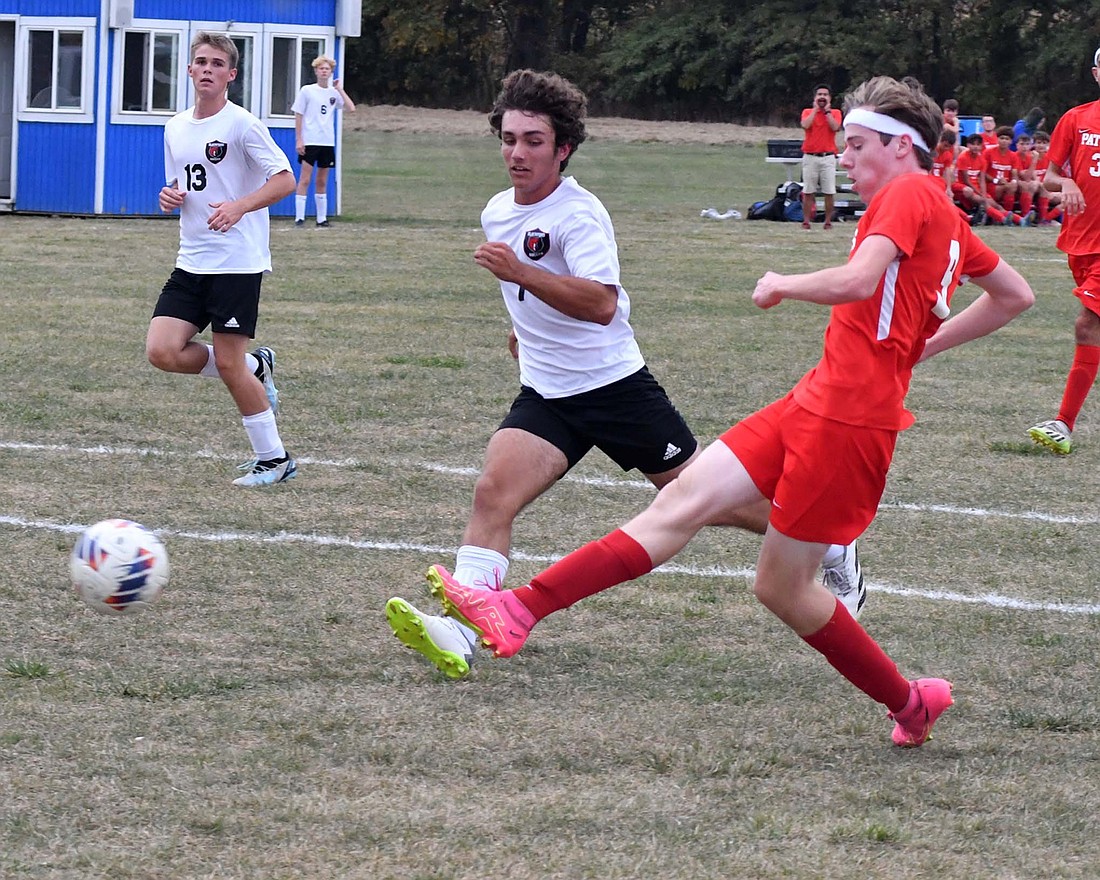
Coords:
pixel 445 642
pixel 844 579
pixel 268 473
pixel 265 372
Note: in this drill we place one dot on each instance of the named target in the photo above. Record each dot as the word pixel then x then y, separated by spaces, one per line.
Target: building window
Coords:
pixel 55 69
pixel 150 72
pixel 291 68
pixel 240 89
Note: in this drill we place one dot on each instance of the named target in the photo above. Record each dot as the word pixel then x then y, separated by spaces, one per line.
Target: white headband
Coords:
pixel 884 124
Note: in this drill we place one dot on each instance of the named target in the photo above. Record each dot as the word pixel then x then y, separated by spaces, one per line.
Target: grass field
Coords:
pixel 262 722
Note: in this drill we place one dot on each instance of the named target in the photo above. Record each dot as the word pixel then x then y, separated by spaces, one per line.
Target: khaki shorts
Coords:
pixel 819 174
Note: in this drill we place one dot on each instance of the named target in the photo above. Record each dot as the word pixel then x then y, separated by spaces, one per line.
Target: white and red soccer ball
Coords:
pixel 118 567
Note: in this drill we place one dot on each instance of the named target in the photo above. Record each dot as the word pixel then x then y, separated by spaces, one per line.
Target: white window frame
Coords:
pixel 326 35
pixel 146 116
pixel 87 28
pixel 253 30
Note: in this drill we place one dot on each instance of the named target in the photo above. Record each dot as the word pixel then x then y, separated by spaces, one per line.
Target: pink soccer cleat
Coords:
pixel 914 725
pixel 502 621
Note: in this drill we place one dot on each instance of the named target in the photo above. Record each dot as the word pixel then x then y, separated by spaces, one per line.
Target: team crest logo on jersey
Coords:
pixel 216 150
pixel 332 101
pixel 536 244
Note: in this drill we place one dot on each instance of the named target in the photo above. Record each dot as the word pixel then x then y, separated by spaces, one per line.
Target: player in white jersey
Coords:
pixel 223 170
pixel 583 381
pixel 315 136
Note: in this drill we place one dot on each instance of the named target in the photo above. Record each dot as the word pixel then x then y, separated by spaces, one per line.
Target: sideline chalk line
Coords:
pixel 988 599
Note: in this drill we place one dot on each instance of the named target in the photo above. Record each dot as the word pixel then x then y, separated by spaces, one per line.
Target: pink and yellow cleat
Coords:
pixel 913 725
pixel 501 620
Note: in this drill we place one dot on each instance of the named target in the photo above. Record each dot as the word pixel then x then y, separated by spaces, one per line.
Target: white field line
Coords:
pixel 988 599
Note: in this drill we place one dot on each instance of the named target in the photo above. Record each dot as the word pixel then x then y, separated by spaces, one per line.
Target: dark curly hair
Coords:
pixel 554 96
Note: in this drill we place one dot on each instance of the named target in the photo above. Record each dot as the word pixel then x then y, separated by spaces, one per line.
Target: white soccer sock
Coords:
pixel 480 567
pixel 263 434
pixel 833 555
pixel 322 207
pixel 299 207
pixel 210 370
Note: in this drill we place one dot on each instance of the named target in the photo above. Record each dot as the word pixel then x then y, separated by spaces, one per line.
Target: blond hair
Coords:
pixel 906 102
pixel 324 59
pixel 221 42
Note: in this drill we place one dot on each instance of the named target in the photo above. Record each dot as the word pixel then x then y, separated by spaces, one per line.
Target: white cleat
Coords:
pixel 442 640
pixel 844 579
pixel 268 473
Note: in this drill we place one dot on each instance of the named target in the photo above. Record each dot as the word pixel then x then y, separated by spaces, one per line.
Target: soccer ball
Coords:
pixel 118 567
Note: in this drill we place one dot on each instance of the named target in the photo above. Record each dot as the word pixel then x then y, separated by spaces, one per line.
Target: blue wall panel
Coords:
pixel 84 8
pixel 135 170
pixel 320 12
pixel 56 168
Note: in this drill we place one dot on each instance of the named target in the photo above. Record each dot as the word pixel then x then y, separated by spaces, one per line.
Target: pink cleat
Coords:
pixel 914 725
pixel 502 620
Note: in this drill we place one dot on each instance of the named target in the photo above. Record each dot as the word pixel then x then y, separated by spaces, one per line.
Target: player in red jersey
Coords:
pixel 1073 169
pixel 989 132
pixel 1046 202
pixel 821 453
pixel 943 162
pixel 1028 178
pixel 1003 171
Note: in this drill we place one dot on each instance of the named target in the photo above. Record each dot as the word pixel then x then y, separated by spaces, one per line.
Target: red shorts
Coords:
pixel 824 478
pixel 1086 273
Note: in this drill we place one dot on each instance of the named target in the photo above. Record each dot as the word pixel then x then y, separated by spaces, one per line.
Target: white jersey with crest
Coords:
pixel 567 233
pixel 218 159
pixel 317 107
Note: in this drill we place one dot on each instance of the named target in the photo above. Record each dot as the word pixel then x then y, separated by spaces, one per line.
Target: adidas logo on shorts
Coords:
pixel 672 451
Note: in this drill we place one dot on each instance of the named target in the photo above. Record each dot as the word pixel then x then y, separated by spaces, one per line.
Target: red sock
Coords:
pixel 1025 204
pixel 996 213
pixel 1009 203
pixel 1044 208
pixel 1082 375
pixel 856 656
pixel 584 572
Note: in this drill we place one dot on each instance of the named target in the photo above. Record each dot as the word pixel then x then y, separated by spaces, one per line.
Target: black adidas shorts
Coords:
pixel 321 157
pixel 632 421
pixel 229 303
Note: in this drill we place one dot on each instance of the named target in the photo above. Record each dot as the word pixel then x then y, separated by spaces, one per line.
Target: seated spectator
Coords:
pixel 1029 183
pixel 943 158
pixel 989 132
pixel 968 189
pixel 1033 120
pixel 1003 170
pixel 1047 203
pixel 951 117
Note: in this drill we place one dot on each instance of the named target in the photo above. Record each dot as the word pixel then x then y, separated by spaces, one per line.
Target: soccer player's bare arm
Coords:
pixel 855 280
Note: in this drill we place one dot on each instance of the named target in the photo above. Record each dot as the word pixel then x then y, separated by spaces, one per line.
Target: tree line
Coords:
pixel 729 60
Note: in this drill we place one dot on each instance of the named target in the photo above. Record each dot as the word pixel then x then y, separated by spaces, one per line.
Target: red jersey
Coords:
pixel 819 138
pixel 941 163
pixel 969 170
pixel 1029 165
pixel 1075 145
pixel 872 345
pixel 1000 164
pixel 989 140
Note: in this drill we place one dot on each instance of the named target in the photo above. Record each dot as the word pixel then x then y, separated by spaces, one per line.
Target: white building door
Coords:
pixel 7 104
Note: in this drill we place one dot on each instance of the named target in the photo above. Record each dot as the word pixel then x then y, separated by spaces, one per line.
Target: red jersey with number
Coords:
pixel 969 169
pixel 819 138
pixel 1000 164
pixel 872 345
pixel 941 162
pixel 1075 145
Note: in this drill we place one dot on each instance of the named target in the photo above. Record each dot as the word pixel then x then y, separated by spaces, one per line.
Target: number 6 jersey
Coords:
pixel 220 159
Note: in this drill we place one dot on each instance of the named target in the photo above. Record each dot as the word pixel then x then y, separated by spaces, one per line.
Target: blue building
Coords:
pixel 87 85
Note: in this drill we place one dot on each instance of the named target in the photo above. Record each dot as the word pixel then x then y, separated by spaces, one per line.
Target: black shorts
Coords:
pixel 632 421
pixel 229 303
pixel 321 157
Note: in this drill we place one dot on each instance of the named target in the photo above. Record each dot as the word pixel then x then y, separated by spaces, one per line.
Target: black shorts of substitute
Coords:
pixel 321 157
pixel 632 421
pixel 228 303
